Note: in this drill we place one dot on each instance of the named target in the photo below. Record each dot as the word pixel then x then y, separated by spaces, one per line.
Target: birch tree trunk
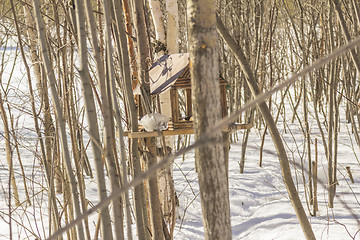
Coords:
pixel 158 18
pixel 172 27
pixel 155 206
pixel 172 47
pixel 165 179
pixel 156 218
pixel 210 159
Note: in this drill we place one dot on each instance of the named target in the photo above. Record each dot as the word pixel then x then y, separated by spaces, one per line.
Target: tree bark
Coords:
pixel 156 215
pixel 172 31
pixel 157 16
pixel 210 159
pixel 143 76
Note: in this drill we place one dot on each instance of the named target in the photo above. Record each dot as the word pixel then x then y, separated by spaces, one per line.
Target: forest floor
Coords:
pixel 260 206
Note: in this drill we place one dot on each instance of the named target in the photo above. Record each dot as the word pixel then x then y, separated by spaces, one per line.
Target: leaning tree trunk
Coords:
pixel 284 162
pixel 210 159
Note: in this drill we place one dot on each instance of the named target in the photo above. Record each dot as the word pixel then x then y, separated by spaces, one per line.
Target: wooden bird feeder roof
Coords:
pixel 170 71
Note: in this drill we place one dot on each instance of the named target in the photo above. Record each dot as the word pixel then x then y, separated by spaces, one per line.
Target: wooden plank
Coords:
pixel 174 105
pixel 181 85
pixel 183 124
pixel 183 131
pixel 158 134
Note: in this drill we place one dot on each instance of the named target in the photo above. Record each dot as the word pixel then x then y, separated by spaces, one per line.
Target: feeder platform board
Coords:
pixel 183 131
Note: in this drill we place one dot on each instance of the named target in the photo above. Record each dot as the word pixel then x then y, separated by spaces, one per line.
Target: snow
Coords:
pixel 154 122
pixel 260 207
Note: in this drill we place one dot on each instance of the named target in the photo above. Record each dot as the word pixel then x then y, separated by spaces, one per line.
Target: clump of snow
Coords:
pixel 154 122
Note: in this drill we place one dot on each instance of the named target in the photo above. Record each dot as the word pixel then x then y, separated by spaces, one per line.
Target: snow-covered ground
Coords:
pixel 260 207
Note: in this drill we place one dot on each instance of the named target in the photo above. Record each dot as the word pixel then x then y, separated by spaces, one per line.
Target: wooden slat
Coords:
pixel 181 86
pixel 174 105
pixel 158 134
pixel 183 124
pixel 188 102
pixel 184 131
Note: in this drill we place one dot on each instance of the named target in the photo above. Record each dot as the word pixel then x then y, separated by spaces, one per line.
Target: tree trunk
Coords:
pixel 143 75
pixel 157 16
pixel 172 29
pixel 284 162
pixel 156 215
pixel 129 34
pixel 210 159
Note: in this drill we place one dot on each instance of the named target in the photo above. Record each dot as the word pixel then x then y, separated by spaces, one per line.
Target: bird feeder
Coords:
pixel 172 73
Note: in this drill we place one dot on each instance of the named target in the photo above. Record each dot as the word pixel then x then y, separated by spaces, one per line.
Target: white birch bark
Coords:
pixel 167 193
pixel 172 28
pixel 156 221
pixel 172 35
pixel 158 19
